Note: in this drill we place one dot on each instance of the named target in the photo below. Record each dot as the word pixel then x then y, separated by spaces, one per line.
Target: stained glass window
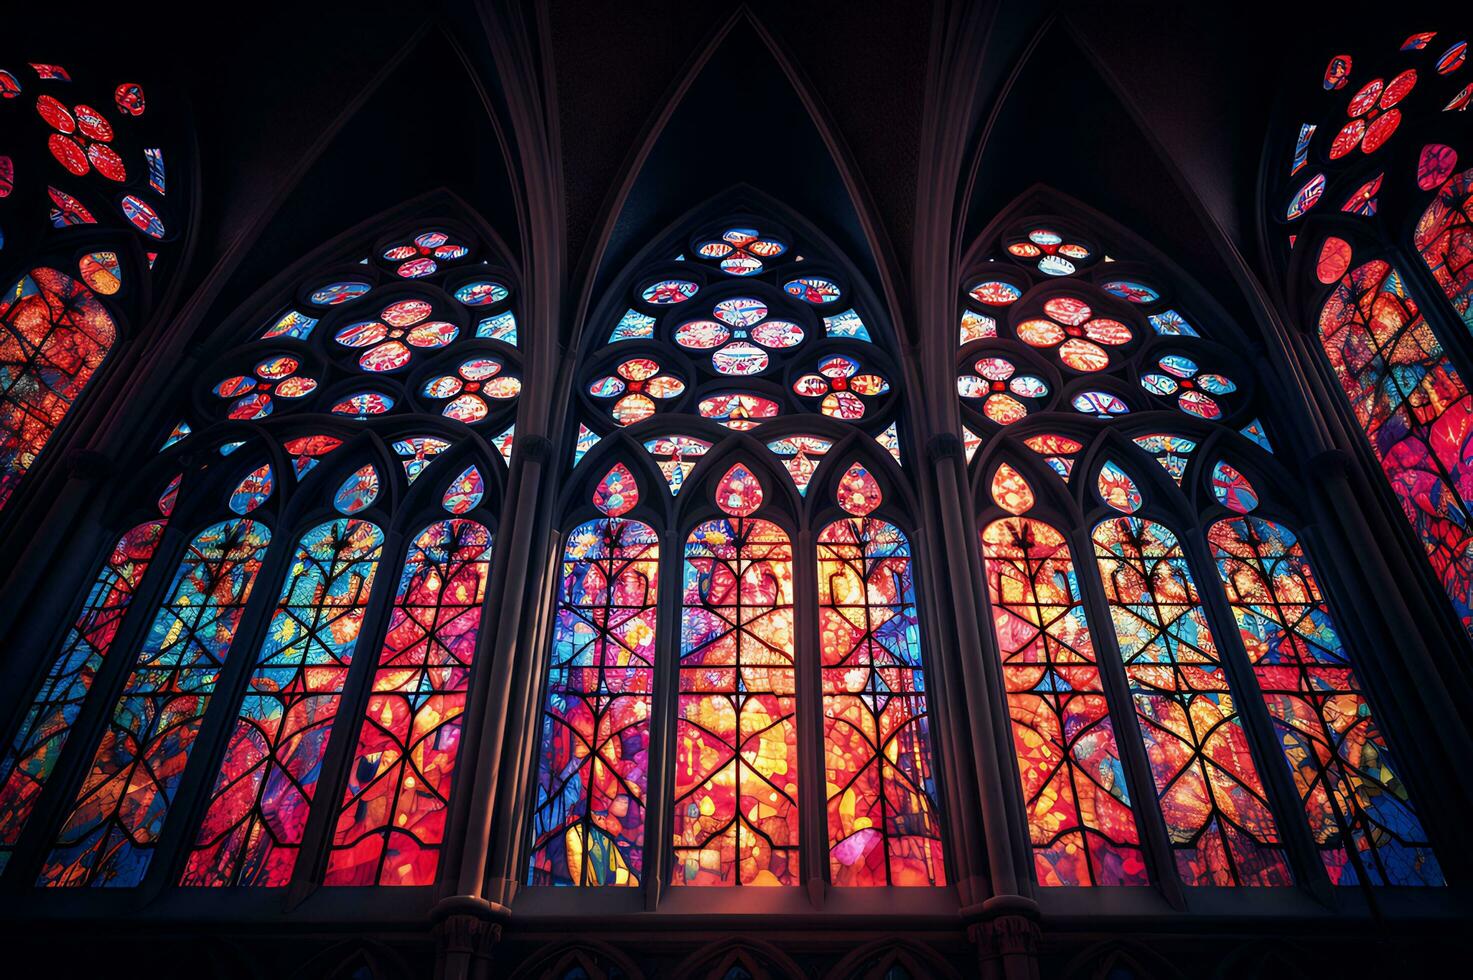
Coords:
pixel 257 811
pixel 113 828
pixel 46 726
pixel 54 335
pixel 1218 819
pixel 1360 813
pixel 589 818
pixel 391 823
pixel 1444 234
pixel 1414 409
pixel 882 822
pixel 736 752
pixel 1080 819
pixel 756 331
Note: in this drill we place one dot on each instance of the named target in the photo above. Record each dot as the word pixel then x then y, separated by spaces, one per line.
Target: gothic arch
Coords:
pixel 597 960
pixel 877 959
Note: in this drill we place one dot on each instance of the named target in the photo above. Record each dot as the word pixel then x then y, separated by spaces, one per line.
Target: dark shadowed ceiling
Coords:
pixel 313 117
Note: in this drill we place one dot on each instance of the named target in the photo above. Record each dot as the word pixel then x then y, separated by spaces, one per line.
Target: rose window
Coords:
pixel 740 251
pixel 422 256
pixel 636 383
pixel 1055 255
pixel 275 376
pixel 391 340
pixel 1372 118
pixel 1070 327
pixel 841 386
pixel 1006 395
pixel 80 142
pixel 739 410
pixel 1192 389
pixel 474 381
pixel 741 325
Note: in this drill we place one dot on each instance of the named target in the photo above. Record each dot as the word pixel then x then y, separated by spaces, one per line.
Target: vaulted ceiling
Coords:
pixel 313 117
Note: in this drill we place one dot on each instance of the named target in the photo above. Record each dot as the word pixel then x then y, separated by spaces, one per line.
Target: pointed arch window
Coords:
pixel 92 215
pixel 1386 280
pixel 1080 815
pixel 113 827
pixel 737 379
pixel 1359 812
pixel 1118 449
pixel 365 491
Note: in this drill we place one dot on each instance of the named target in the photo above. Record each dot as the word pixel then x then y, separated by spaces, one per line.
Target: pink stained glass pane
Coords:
pixel 391 822
pixel 736 738
pixel 1415 412
pixel 884 827
pixel 47 722
pixel 588 823
pixel 1218 821
pixel 113 827
pixel 257 812
pixel 1360 813
pixel 1080 817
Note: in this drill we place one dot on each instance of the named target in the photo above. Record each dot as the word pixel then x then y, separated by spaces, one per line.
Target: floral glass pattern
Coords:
pixel 841 388
pixel 424 254
pixel 741 251
pixel 1050 252
pixel 1006 395
pixel 402 328
pixel 1070 329
pixel 1179 375
pixel 250 395
pixel 466 392
pixel 634 386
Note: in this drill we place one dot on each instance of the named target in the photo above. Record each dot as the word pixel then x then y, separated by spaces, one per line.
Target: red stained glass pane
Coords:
pixel 1010 491
pixel 54 335
pixel 391 822
pixel 736 738
pixel 1334 259
pixel 1380 130
pixel 588 821
pixel 1444 239
pixel 1078 806
pixel 257 811
pixel 1415 411
pixel 1218 820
